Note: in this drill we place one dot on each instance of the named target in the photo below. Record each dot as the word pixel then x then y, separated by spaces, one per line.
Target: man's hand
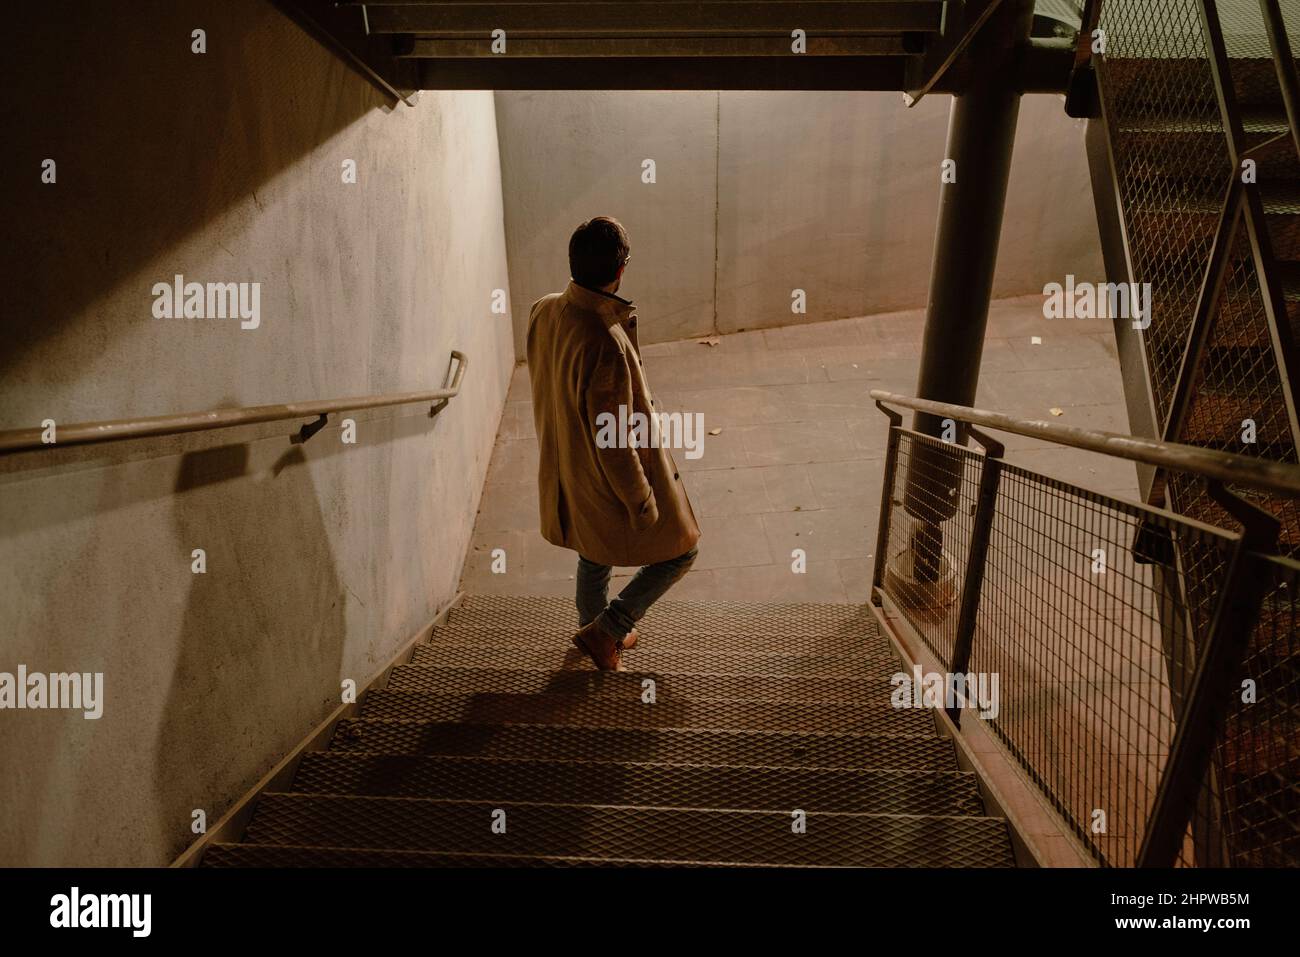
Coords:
pixel 647 516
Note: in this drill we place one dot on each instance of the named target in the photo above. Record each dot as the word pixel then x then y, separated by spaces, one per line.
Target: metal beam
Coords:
pixel 675 46
pixel 718 17
pixel 342 31
pixel 663 73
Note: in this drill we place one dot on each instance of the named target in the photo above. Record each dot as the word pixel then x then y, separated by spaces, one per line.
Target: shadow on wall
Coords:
pixel 152 142
pixel 235 685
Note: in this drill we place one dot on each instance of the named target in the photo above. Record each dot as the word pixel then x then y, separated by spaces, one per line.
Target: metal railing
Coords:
pixel 1118 633
pixel 1198 101
pixel 114 430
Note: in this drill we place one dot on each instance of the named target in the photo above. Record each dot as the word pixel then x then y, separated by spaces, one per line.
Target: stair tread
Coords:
pixel 825 621
pixel 661 745
pixel 1261 120
pixel 1279 198
pixel 299 855
pixel 561 655
pixel 643 833
pixel 834 640
pixel 491 708
pixel 630 685
pixel 863 790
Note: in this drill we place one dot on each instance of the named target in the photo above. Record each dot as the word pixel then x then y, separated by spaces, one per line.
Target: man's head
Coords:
pixel 598 251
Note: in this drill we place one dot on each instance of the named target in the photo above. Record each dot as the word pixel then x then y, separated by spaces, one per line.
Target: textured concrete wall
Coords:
pixel 323 558
pixel 568 156
pixel 761 193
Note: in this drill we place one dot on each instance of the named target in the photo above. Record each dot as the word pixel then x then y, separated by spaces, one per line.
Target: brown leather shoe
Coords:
pixel 629 640
pixel 600 647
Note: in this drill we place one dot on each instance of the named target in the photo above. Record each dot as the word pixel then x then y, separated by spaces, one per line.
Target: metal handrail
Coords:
pixel 113 430
pixel 1224 466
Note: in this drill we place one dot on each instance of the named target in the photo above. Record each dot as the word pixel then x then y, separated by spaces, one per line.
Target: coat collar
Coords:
pixel 613 309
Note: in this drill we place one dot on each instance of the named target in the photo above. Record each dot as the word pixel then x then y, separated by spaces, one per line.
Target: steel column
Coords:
pixel 981 133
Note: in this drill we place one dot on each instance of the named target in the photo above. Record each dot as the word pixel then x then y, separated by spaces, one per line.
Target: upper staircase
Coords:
pixel 499 744
pixel 1196 175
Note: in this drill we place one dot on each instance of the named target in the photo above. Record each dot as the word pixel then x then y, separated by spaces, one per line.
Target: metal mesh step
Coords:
pixel 651 833
pixel 297 855
pixel 493 780
pixel 760 709
pixel 835 642
pixel 560 654
pixel 660 745
pixel 630 685
pixel 598 712
pixel 515 612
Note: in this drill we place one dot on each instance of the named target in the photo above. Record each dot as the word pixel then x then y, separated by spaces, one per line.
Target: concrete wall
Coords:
pixel 323 558
pixel 760 193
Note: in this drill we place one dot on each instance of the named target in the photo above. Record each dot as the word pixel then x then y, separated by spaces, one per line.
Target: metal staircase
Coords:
pixel 1194 146
pixel 758 712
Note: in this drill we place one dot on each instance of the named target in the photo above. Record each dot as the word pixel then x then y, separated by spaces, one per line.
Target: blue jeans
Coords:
pixel 616 618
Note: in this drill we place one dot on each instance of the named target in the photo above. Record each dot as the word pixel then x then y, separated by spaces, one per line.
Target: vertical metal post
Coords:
pixel 886 502
pixel 1081 94
pixel 981 133
pixel 973 581
pixel 1280 45
pixel 1217 668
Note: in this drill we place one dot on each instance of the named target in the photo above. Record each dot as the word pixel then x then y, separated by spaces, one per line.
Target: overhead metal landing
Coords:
pixel 407 45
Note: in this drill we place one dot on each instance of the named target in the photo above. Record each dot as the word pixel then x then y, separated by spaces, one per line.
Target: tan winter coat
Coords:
pixel 615 506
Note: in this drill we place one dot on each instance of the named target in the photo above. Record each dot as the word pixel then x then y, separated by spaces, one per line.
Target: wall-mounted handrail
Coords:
pixel 113 430
pixel 1224 466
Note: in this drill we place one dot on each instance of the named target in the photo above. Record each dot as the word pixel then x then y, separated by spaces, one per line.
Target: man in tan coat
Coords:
pixel 613 499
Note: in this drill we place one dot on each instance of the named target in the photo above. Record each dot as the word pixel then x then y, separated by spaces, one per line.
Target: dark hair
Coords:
pixel 597 249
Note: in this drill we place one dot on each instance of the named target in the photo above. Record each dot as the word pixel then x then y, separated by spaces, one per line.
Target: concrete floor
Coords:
pixel 800 458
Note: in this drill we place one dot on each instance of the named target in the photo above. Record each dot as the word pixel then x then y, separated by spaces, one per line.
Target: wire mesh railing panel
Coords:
pixel 1092 613
pixel 1082 619
pixel 1237 403
pixel 934 491
pixel 1172 164
pixel 1258 751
